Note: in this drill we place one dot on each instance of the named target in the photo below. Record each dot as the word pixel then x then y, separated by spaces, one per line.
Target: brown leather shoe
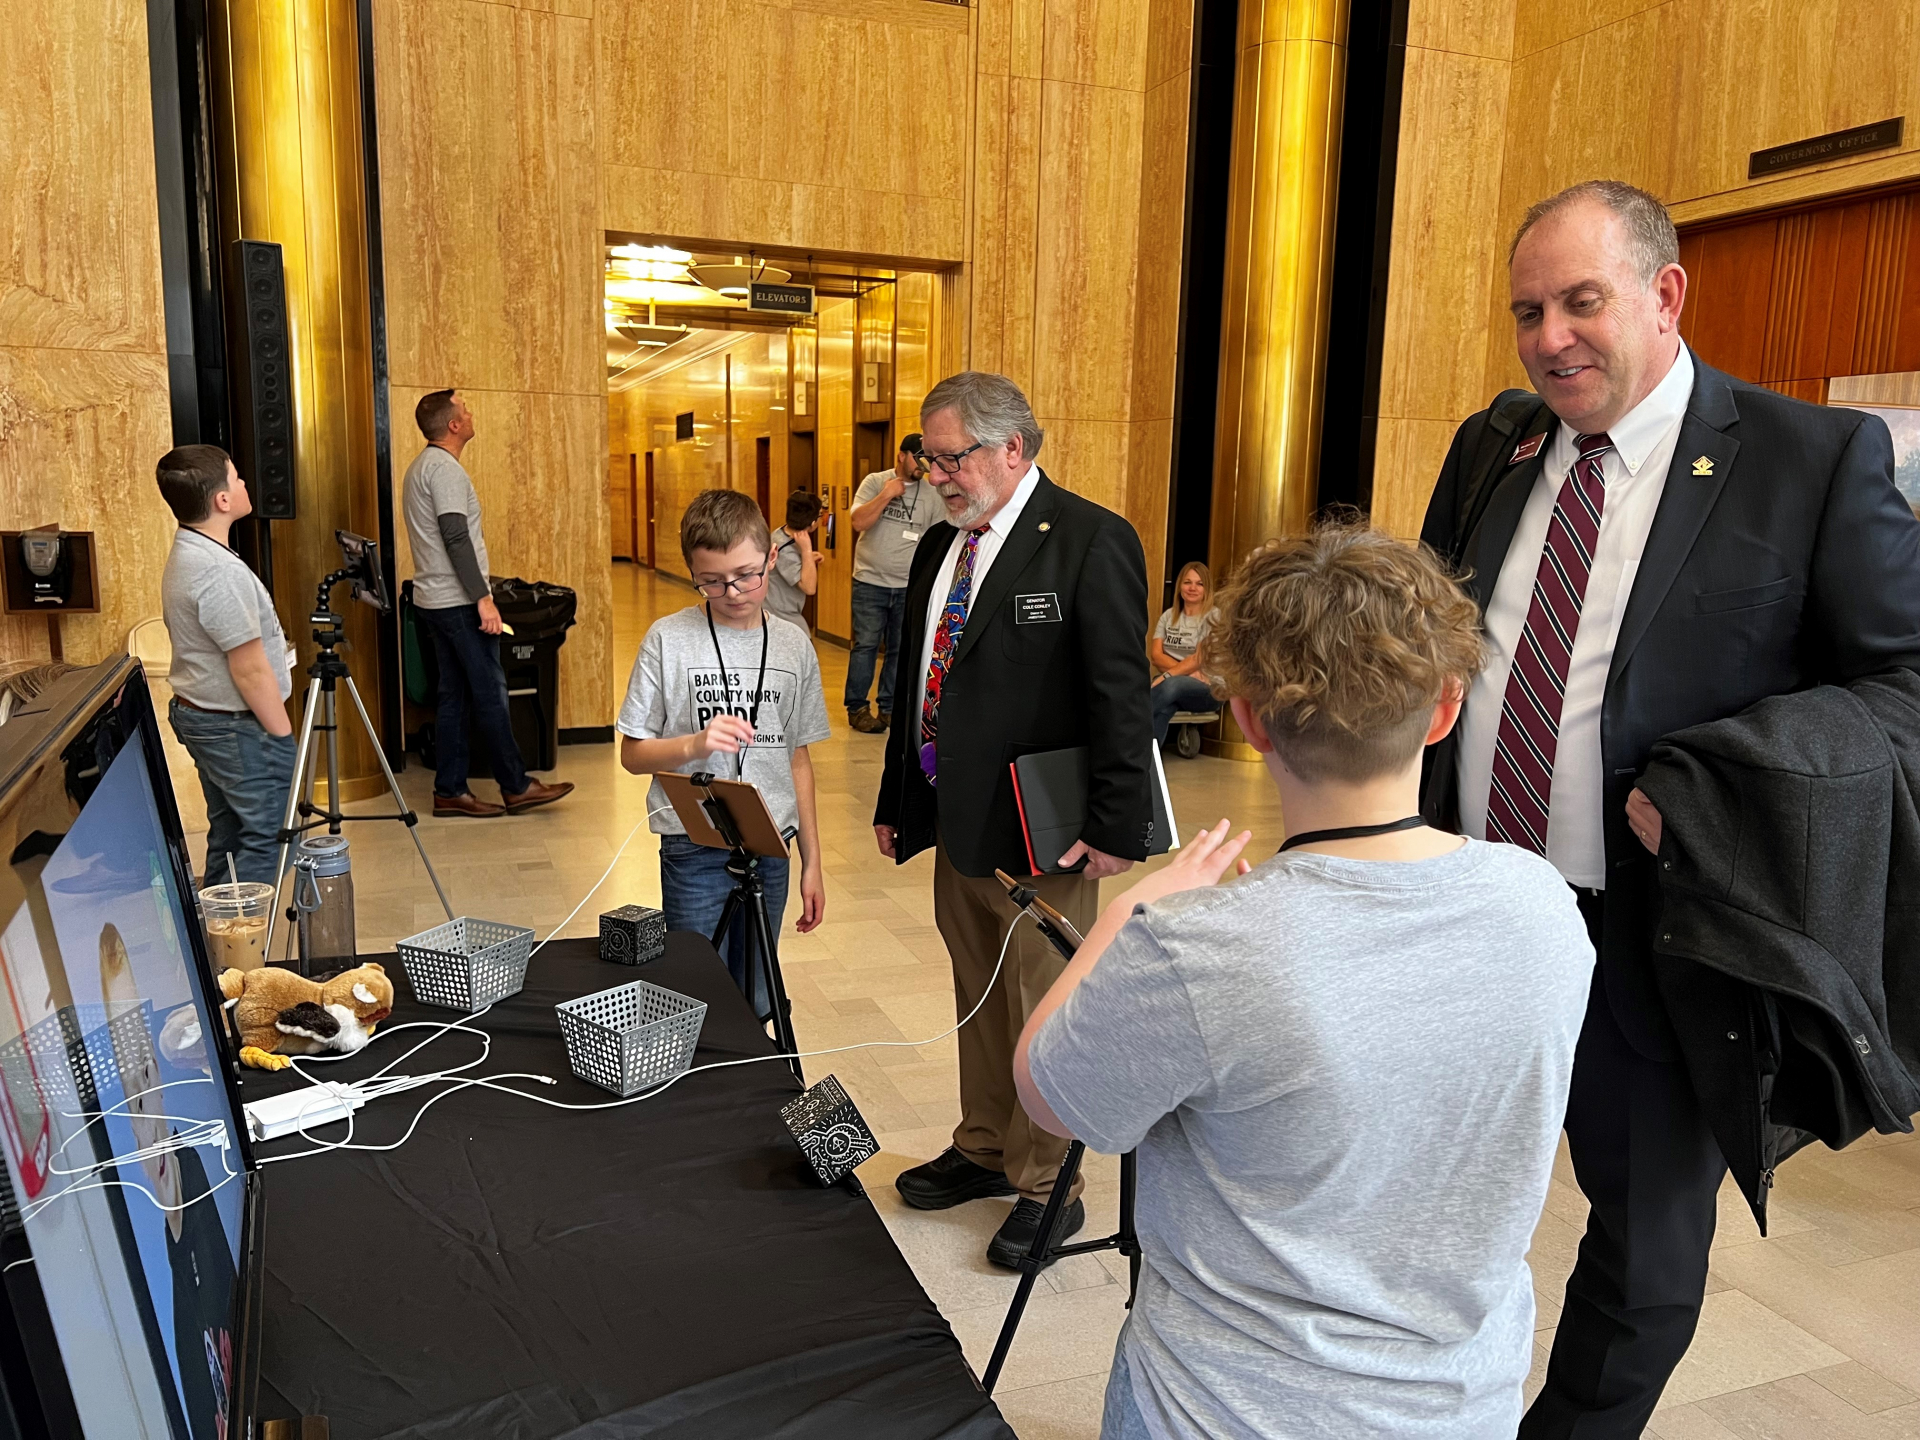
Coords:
pixel 469 804
pixel 537 793
pixel 868 723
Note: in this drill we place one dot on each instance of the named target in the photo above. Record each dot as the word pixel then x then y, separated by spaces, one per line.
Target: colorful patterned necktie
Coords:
pixel 1537 684
pixel 953 620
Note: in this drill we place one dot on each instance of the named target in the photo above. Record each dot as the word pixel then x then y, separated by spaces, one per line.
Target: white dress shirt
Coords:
pixel 998 528
pixel 1635 471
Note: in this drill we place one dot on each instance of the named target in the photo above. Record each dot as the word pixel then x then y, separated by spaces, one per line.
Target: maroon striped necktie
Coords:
pixel 1537 684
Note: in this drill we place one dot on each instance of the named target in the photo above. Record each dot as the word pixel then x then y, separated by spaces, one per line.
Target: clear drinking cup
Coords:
pixel 235 917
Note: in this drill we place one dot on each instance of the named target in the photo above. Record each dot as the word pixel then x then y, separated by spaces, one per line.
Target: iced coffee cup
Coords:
pixel 236 920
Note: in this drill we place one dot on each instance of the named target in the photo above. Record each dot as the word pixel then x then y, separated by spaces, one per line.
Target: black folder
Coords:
pixel 1050 788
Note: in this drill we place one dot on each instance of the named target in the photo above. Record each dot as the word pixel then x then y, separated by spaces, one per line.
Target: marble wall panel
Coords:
pixel 84 410
pixel 79 235
pixel 1083 306
pixel 489 196
pixel 80 430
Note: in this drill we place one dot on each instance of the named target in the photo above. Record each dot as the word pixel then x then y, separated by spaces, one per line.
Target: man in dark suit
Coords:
pixel 1666 546
pixel 1025 631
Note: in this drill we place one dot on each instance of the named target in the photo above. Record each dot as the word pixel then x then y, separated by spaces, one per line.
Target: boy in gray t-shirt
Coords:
pixel 232 667
pixel 795 572
pixel 1345 1071
pixel 727 688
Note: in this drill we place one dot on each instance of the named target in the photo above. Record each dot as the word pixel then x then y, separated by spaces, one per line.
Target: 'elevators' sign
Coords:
pixel 1841 143
pixel 785 299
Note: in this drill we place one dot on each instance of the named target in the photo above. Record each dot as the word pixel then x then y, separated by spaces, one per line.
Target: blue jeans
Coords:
pixel 471 681
pixel 879 614
pixel 1120 1417
pixel 694 885
pixel 245 774
pixel 1177 693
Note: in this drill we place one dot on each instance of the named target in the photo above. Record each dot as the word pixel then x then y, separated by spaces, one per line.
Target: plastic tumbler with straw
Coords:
pixel 235 916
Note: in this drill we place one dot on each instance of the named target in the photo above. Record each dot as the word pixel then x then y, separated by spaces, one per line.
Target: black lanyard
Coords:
pixel 1351 832
pixel 726 686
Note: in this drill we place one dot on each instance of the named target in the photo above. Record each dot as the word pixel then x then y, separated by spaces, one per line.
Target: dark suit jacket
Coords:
pixel 1068 668
pixel 1786 560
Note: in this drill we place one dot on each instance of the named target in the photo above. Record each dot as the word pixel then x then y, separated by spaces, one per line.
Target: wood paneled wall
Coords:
pixel 1507 101
pixel 83 368
pixel 489 167
pixel 1793 300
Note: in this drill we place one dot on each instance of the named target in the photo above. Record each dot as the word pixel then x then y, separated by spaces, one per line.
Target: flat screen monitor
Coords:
pixel 128 1196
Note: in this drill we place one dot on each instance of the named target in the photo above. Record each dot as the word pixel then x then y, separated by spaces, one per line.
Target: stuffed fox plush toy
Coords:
pixel 278 1012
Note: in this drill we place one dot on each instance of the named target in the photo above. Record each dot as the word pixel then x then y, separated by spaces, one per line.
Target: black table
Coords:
pixel 667 1269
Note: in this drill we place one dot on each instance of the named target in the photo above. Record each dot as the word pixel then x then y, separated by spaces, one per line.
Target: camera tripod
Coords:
pixel 322 714
pixel 762 958
pixel 1043 1252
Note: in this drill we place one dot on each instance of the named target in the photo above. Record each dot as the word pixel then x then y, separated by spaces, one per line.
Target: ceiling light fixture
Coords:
pixel 733 281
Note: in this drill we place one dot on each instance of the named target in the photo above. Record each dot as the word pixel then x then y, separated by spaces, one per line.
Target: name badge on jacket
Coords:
pixel 1036 609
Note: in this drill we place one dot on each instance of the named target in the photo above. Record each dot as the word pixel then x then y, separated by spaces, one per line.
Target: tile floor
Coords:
pixel 1812 1332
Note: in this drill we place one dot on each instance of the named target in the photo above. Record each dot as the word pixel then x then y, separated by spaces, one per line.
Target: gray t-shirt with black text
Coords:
pixel 1345 1079
pixel 677 687
pixel 213 603
pixel 884 553
pixel 436 485
pixel 1180 634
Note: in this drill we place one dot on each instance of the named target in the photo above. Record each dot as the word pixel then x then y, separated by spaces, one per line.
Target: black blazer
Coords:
pixel 1781 556
pixel 1054 655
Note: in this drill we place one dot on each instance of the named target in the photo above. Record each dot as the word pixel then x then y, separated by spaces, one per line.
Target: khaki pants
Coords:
pixel 973 917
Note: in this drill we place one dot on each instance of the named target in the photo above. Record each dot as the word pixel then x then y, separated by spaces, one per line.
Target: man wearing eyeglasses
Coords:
pixel 891 511
pixel 1026 619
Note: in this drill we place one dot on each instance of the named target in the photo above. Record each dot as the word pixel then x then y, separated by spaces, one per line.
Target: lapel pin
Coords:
pixel 1703 465
pixel 1045 525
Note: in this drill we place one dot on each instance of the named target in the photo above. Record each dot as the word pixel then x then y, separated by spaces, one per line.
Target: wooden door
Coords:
pixel 648 512
pixel 1795 298
pixel 620 507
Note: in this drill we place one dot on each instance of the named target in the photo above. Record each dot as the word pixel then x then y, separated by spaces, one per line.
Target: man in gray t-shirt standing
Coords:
pixel 232 667
pixel 453 606
pixel 891 511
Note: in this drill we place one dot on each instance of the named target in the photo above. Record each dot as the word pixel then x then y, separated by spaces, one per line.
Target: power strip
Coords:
pixel 310 1108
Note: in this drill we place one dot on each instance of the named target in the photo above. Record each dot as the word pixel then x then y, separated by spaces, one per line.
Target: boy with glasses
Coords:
pixel 723 688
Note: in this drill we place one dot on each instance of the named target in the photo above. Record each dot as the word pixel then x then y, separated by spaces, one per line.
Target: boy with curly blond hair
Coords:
pixel 1344 1071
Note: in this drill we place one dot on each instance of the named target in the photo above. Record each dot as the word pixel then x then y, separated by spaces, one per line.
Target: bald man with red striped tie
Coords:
pixel 1654 545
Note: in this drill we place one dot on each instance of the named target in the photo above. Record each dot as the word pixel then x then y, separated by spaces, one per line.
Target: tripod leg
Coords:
pixel 760 934
pixel 399 800
pixel 1034 1261
pixel 332 728
pixel 302 757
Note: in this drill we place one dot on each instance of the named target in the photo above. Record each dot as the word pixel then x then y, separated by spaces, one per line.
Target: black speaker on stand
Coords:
pixel 263 393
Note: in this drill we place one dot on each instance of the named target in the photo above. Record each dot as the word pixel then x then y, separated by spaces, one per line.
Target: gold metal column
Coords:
pixel 1289 87
pixel 1288 92
pixel 287 107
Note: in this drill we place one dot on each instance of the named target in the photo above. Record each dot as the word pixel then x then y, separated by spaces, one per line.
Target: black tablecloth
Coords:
pixel 667 1269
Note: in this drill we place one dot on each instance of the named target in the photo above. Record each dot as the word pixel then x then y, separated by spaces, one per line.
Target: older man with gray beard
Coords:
pixel 1026 617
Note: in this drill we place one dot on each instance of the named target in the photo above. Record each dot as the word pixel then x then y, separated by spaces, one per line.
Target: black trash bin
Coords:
pixel 539 614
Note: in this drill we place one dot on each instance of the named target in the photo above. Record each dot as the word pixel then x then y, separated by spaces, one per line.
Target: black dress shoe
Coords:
pixel 1016 1233
pixel 949 1179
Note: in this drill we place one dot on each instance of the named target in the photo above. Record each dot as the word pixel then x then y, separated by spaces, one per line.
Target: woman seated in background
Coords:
pixel 1179 684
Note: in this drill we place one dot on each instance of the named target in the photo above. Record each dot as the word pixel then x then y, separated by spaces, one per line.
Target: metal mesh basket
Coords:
pixel 79 1053
pixel 467 964
pixel 631 1037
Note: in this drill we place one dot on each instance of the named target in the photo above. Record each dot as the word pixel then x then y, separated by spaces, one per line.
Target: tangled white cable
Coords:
pixel 491 1082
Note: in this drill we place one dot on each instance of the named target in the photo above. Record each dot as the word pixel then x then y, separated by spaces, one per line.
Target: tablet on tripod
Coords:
pixel 710 808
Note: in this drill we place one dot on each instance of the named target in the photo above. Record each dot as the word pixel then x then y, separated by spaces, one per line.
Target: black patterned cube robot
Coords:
pixel 832 1136
pixel 633 935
